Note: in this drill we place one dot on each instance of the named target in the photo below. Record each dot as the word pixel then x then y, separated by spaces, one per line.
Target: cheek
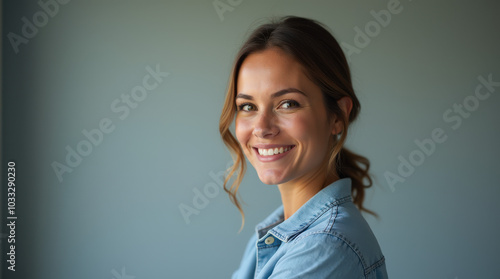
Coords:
pixel 299 126
pixel 242 130
pixel 308 128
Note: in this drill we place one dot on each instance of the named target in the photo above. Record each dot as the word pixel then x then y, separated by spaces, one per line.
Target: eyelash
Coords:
pixel 295 103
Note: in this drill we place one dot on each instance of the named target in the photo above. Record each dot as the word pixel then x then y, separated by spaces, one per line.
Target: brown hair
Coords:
pixel 309 42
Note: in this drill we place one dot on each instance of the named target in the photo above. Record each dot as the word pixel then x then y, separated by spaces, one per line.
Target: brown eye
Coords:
pixel 289 104
pixel 246 107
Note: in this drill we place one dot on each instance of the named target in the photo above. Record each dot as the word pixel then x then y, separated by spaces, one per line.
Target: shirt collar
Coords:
pixel 334 194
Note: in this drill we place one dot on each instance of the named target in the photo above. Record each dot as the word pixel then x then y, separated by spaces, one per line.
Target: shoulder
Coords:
pixel 339 241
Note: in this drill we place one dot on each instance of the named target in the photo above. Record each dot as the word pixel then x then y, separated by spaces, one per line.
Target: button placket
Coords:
pixel 266 248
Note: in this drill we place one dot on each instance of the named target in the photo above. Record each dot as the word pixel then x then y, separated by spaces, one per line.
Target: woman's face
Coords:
pixel 281 122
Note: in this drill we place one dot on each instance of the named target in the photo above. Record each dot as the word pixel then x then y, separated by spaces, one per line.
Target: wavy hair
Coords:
pixel 309 43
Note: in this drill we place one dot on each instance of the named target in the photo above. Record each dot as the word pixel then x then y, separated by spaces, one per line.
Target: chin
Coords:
pixel 269 182
pixel 271 179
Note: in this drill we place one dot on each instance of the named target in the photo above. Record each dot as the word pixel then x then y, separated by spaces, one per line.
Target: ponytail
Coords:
pixel 355 166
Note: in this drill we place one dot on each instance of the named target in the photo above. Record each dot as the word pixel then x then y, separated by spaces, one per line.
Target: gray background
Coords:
pixel 117 213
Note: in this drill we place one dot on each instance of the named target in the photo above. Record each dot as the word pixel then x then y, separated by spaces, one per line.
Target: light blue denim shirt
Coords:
pixel 326 238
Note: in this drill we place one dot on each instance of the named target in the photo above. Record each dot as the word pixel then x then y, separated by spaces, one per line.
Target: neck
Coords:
pixel 295 193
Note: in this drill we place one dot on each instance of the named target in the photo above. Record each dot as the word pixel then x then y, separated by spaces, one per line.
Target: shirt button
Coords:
pixel 269 240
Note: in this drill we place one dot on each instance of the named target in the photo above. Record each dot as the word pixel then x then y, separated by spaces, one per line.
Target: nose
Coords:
pixel 265 125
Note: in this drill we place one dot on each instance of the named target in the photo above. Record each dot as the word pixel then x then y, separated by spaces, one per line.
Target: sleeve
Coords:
pixel 247 264
pixel 319 255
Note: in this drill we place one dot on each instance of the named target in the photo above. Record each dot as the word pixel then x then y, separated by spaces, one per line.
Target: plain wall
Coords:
pixel 117 213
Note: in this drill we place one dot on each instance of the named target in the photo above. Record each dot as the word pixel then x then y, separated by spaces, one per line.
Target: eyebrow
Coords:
pixel 274 95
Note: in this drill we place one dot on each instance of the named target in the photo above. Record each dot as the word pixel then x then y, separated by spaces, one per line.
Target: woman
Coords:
pixel 291 97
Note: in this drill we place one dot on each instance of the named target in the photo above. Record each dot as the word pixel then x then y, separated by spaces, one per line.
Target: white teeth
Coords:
pixel 271 151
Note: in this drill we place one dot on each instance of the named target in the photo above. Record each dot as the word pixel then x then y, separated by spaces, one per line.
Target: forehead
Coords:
pixel 270 70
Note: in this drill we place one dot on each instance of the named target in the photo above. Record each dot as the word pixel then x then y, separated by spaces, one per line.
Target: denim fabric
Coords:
pixel 326 238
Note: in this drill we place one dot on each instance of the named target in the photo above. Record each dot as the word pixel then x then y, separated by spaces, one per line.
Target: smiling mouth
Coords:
pixel 274 151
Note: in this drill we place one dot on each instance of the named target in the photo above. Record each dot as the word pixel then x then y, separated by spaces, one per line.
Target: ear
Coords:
pixel 345 104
